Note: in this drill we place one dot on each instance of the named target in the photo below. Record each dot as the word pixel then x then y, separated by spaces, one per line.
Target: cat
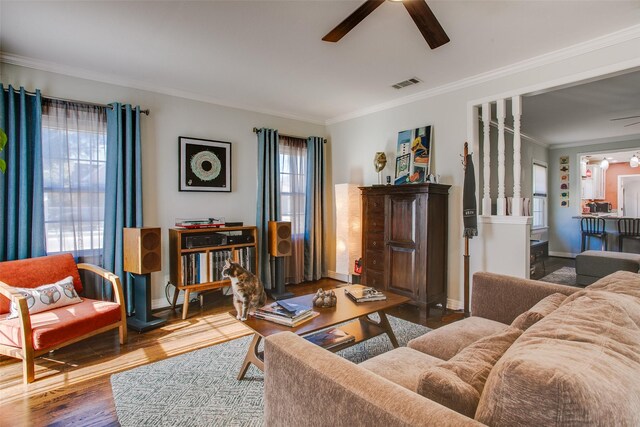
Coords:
pixel 248 292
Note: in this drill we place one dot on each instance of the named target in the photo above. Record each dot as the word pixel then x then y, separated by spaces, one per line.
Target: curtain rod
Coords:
pixel 255 130
pixel 75 101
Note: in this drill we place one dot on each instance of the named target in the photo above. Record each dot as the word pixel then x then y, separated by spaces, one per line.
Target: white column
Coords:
pixel 516 110
pixel 486 151
pixel 501 203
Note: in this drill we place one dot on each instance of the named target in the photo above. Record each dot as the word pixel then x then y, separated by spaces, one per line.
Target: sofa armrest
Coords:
pixel 503 298
pixel 23 317
pixel 307 385
pixel 117 292
pixel 111 277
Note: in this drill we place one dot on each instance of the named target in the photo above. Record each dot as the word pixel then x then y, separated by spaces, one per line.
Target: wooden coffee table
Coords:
pixel 361 326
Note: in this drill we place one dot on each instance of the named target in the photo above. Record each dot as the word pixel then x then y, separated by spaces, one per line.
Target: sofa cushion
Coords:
pixel 401 365
pixel 620 282
pixel 34 272
pixel 46 297
pixel 56 326
pixel 445 383
pixel 447 341
pixel 538 312
pixel 577 366
pixel 443 386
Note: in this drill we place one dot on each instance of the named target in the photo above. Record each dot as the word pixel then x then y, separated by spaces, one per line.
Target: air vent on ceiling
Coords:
pixel 409 82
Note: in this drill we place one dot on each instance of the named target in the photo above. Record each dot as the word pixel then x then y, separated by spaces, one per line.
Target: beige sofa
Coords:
pixel 532 353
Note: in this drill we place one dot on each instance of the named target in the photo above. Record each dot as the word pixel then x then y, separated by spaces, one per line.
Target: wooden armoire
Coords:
pixel 404 240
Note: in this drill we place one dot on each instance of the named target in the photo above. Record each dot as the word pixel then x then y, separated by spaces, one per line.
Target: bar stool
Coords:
pixel 628 228
pixel 593 227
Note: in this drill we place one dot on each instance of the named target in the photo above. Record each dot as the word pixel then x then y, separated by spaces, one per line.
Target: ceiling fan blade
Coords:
pixel 427 23
pixel 631 124
pixel 624 118
pixel 352 20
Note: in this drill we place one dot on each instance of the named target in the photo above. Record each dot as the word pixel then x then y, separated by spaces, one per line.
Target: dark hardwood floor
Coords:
pixel 72 384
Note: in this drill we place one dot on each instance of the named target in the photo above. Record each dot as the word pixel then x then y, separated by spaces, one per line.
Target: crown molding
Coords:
pixel 621 36
pixel 52 67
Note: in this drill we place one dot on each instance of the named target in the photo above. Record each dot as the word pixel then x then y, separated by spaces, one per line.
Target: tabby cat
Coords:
pixel 248 292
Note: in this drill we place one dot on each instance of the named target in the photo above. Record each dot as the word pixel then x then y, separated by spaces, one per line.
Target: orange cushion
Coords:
pixel 56 326
pixel 34 272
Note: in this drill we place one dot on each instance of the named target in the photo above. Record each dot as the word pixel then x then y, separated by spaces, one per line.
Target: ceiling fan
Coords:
pixel 422 15
pixel 626 118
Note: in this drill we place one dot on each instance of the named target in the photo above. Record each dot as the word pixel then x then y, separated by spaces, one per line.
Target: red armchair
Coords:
pixel 31 335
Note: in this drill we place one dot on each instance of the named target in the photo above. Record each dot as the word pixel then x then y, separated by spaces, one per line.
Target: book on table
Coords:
pixel 295 311
pixel 365 294
pixel 330 338
pixel 284 320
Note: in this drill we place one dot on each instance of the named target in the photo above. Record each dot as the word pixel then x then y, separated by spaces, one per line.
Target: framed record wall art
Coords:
pixel 205 165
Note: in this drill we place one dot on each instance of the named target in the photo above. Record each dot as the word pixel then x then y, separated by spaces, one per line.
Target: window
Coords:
pixel 74 165
pixel 293 166
pixel 293 184
pixel 539 195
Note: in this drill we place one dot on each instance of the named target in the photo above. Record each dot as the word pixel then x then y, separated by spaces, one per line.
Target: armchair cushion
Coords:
pixel 34 272
pixel 47 297
pixel 59 325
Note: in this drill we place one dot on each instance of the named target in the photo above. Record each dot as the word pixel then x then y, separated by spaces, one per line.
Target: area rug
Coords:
pixel 563 276
pixel 200 388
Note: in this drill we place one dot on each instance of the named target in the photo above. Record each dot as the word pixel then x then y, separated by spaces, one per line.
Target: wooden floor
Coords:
pixel 72 384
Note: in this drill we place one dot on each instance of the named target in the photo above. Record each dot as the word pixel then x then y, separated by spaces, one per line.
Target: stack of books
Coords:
pixel 295 315
pixel 365 294
pixel 330 338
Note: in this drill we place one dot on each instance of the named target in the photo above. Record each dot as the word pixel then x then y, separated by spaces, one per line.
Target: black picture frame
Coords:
pixel 205 165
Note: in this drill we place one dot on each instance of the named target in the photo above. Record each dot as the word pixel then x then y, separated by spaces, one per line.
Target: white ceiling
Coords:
pixel 268 55
pixel 583 113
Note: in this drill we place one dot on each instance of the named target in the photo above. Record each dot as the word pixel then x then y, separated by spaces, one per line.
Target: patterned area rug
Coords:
pixel 200 388
pixel 563 276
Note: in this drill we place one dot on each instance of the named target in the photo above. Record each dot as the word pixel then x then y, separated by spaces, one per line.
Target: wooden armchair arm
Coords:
pixel 23 317
pixel 113 278
pixel 9 292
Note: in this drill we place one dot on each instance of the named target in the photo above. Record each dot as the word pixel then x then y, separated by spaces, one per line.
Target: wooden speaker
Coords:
pixel 280 238
pixel 142 248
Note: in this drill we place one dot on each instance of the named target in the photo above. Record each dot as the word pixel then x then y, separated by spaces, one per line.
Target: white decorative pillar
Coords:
pixel 501 203
pixel 486 166
pixel 516 110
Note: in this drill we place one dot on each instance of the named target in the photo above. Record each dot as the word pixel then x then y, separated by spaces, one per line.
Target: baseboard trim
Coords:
pixel 454 304
pixel 338 276
pixel 562 254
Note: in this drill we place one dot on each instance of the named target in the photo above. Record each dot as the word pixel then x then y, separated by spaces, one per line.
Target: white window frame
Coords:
pixel 540 197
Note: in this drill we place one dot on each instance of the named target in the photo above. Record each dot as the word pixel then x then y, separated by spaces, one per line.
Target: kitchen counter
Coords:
pixel 604 215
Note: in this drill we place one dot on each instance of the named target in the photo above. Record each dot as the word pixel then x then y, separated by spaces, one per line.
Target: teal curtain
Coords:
pixel 22 232
pixel 268 206
pixel 123 189
pixel 314 243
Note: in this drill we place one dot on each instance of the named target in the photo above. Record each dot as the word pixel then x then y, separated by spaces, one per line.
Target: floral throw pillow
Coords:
pixel 47 297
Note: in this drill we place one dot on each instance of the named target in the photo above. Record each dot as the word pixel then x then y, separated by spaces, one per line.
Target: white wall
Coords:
pixel 355 141
pixel 170 118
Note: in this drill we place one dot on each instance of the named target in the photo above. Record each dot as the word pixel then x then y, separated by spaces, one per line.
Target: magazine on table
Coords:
pixel 286 321
pixel 330 338
pixel 275 309
pixel 365 294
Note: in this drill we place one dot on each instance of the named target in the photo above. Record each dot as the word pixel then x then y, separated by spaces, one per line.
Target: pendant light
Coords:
pixel 634 161
pixel 604 164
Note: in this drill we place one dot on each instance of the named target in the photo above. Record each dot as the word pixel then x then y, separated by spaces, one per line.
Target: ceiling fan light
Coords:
pixel 634 161
pixel 604 164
